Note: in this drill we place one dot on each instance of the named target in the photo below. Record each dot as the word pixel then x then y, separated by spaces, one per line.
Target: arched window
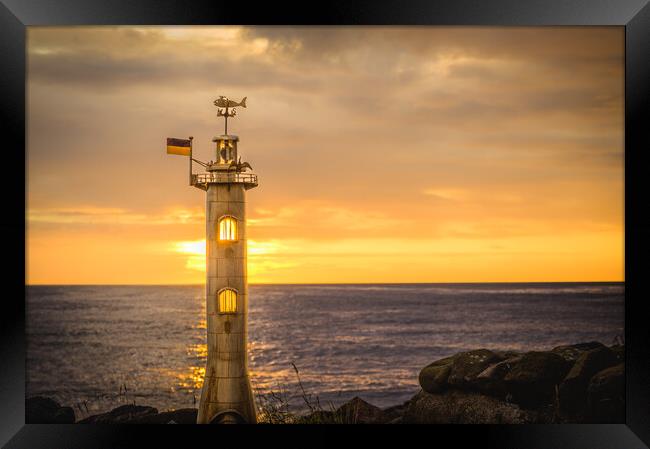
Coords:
pixel 227 300
pixel 228 228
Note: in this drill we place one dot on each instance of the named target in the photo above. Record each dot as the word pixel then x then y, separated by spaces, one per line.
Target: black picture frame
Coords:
pixel 634 15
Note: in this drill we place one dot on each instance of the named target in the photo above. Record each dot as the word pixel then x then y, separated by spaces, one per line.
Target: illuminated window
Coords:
pixel 228 228
pixel 227 300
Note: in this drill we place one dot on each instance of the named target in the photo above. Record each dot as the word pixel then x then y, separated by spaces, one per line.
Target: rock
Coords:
pixel 180 416
pixel 606 395
pixel 121 415
pixel 395 412
pixel 491 380
pixel 358 411
pixel 460 407
pixel 533 379
pixel 318 417
pixel 573 389
pixel 570 383
pixel 433 377
pixel 619 352
pixel 572 352
pixel 466 366
pixel 355 411
pixel 507 354
pixel 42 410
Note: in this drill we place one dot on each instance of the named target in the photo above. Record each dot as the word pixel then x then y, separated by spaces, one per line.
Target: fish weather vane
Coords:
pixel 225 104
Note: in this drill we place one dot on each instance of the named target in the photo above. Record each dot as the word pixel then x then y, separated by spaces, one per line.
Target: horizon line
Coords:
pixel 330 283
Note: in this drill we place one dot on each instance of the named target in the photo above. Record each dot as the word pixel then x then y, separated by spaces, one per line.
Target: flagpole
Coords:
pixel 191 138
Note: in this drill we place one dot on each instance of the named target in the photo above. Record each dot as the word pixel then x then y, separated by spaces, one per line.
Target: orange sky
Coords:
pixel 385 154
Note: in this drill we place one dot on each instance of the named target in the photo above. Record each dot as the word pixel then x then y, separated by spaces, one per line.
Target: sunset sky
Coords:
pixel 384 154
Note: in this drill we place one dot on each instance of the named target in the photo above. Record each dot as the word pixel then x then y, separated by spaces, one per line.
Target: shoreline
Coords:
pixel 578 383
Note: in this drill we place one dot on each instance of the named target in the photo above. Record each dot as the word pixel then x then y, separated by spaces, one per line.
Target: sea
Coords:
pixel 97 347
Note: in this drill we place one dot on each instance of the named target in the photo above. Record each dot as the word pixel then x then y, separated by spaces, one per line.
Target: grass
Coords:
pixel 124 396
pixel 275 407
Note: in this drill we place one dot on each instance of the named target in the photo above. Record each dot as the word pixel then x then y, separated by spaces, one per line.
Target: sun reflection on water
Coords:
pixel 198 350
pixel 201 324
pixel 192 379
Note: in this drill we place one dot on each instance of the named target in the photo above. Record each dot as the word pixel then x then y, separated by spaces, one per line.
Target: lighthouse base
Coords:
pixel 228 417
pixel 226 401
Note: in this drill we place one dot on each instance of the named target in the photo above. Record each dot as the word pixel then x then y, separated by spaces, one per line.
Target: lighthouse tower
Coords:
pixel 226 396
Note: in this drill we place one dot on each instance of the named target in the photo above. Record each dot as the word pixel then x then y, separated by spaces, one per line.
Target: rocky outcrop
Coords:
pixel 459 407
pixel 42 410
pixel 571 383
pixel 395 414
pixel 491 381
pixel 581 383
pixel 121 415
pixel 572 352
pixel 573 390
pixel 358 411
pixel 180 416
pixel 532 380
pixel 619 352
pixel 477 370
pixel 606 395
pixel 433 377
pixel 468 365
pixel 355 411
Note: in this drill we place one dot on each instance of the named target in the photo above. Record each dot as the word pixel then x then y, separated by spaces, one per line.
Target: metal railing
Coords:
pixel 207 178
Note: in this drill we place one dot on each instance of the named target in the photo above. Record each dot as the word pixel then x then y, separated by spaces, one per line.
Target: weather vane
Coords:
pixel 224 104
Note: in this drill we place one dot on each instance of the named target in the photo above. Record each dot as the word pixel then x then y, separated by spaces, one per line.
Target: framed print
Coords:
pixel 371 220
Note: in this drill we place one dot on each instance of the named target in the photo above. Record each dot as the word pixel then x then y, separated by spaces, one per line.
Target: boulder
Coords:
pixel 532 381
pixel 573 389
pixel 433 377
pixel 572 352
pixel 121 415
pixel 619 352
pixel 606 395
pixel 394 414
pixel 491 381
pixel 466 366
pixel 460 407
pixel 318 417
pixel 507 354
pixel 355 411
pixel 180 416
pixel 42 410
pixel 358 411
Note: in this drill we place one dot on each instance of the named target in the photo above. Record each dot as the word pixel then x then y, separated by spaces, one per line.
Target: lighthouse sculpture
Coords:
pixel 226 396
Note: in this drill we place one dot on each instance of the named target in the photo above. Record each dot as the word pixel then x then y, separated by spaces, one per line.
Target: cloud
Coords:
pixel 114 216
pixel 323 220
pixel 120 57
pixel 448 194
pixel 382 134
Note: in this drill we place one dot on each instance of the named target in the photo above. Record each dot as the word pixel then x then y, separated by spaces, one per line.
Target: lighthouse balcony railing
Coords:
pixel 209 178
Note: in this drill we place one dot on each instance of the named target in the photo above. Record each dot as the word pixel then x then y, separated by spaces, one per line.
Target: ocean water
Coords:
pixel 97 347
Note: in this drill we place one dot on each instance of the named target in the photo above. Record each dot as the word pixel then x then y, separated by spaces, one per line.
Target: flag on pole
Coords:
pixel 179 146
